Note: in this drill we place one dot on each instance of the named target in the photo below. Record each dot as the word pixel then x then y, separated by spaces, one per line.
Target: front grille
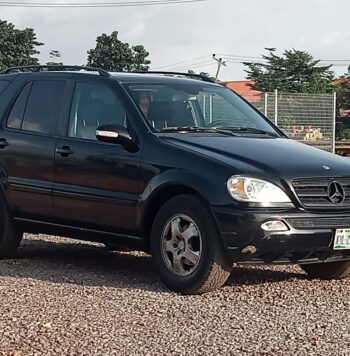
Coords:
pixel 312 192
pixel 319 223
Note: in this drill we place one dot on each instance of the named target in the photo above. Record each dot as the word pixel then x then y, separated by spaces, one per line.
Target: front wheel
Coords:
pixel 186 248
pixel 330 270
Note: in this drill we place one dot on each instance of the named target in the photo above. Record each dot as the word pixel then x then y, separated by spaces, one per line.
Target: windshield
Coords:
pixel 197 105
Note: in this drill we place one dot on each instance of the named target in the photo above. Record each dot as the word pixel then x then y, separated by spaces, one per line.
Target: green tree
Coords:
pixel 54 58
pixel 293 71
pixel 114 55
pixel 17 47
pixel 203 74
pixel 342 88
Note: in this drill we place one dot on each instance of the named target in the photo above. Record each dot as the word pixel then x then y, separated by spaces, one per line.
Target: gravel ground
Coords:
pixel 63 297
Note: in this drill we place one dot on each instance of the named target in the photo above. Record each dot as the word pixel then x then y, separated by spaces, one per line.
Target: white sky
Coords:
pixel 175 33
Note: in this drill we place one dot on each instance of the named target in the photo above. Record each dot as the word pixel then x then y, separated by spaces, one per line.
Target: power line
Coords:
pixel 235 56
pixel 181 62
pixel 95 4
pixel 229 58
pixel 238 56
pixel 192 65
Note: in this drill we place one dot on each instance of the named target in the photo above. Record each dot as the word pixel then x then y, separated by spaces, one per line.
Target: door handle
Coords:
pixel 64 151
pixel 3 143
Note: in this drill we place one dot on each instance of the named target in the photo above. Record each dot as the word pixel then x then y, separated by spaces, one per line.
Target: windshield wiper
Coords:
pixel 250 130
pixel 198 129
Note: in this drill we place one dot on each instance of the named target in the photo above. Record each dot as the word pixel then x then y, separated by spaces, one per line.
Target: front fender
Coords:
pixel 205 187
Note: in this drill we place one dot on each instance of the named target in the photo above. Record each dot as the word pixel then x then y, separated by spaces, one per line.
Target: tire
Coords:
pixel 186 218
pixel 330 270
pixel 10 237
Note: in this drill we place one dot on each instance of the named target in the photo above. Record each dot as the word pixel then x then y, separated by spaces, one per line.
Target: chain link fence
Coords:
pixel 308 118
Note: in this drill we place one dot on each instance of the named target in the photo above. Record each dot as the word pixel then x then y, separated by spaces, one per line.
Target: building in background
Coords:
pixel 243 88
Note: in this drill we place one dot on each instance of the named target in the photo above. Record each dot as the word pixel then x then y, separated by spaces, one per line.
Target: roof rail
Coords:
pixel 43 68
pixel 190 75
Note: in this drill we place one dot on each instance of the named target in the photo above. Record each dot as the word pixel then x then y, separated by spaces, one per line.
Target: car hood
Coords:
pixel 276 157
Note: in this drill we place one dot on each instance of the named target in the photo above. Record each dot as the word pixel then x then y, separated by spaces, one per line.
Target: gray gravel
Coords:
pixel 63 297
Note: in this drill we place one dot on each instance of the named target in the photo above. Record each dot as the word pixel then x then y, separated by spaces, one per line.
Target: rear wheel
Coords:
pixel 10 237
pixel 186 248
pixel 331 270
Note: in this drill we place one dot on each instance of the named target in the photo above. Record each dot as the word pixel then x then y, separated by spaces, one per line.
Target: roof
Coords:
pixel 130 77
pixel 341 80
pixel 123 77
pixel 243 88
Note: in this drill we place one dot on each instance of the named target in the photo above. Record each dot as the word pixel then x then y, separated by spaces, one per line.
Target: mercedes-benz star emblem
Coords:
pixel 336 192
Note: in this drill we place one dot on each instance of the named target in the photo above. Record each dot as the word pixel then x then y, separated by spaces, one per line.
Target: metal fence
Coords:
pixel 308 118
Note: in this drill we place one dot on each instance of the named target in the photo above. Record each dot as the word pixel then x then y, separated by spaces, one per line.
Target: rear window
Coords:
pixel 37 107
pixel 3 85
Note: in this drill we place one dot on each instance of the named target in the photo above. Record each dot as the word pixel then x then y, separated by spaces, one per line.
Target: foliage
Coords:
pixel 343 135
pixel 342 88
pixel 114 55
pixel 17 47
pixel 204 74
pixel 54 56
pixel 294 71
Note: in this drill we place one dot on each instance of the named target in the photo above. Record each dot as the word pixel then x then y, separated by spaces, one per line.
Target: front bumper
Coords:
pixel 309 238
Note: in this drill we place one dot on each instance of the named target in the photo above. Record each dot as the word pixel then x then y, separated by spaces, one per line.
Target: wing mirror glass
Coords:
pixel 114 134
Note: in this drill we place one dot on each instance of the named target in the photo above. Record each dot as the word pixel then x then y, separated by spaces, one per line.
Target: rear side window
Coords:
pixel 37 107
pixel 15 118
pixel 3 85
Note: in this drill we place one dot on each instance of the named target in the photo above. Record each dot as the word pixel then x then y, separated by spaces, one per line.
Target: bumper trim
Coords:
pixel 319 222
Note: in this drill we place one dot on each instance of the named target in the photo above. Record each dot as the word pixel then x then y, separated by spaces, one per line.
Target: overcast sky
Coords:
pixel 182 32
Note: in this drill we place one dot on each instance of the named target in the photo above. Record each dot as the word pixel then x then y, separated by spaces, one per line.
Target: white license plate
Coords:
pixel 342 239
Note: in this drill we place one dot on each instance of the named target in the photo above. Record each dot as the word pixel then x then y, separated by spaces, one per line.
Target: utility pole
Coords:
pixel 221 63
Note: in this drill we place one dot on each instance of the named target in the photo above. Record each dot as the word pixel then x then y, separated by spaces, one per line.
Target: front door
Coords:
pixel 96 183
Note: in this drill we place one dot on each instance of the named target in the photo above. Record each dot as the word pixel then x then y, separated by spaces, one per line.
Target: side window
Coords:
pixel 37 107
pixel 94 105
pixel 43 106
pixel 15 118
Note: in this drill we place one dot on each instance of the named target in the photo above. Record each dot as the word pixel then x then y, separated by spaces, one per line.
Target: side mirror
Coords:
pixel 114 134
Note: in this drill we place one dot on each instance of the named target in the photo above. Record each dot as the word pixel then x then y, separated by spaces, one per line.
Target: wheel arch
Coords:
pixel 158 198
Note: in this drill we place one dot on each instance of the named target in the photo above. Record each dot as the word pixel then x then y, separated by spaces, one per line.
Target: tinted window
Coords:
pixel 94 105
pixel 43 106
pixel 16 116
pixel 3 85
pixel 195 104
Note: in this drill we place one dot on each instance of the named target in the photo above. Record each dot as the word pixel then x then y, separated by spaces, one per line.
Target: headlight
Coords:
pixel 255 191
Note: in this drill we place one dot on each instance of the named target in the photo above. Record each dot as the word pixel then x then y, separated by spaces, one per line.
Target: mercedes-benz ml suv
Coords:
pixel 181 168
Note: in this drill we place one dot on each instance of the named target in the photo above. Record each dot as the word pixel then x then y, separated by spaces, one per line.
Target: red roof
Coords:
pixel 341 80
pixel 242 87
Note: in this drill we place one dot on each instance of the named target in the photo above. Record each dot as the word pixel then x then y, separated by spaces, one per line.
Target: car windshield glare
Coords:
pixel 203 105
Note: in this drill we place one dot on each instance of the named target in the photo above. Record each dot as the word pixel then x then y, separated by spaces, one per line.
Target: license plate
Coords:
pixel 342 239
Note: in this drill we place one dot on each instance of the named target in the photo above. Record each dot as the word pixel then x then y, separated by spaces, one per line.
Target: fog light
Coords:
pixel 274 225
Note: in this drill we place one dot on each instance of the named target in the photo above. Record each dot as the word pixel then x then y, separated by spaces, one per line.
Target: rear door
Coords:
pixel 27 144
